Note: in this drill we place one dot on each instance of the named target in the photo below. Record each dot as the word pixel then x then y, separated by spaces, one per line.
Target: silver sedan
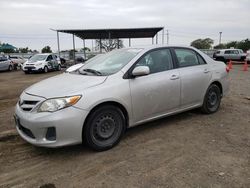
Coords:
pixel 96 103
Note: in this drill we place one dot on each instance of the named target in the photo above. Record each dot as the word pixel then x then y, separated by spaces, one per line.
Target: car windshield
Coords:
pixel 109 63
pixel 38 57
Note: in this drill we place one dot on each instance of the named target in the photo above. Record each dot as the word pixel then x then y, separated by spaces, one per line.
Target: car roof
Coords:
pixel 149 47
pixel 229 49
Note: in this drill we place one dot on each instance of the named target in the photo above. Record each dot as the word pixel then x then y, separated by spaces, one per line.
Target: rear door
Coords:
pixel 159 92
pixel 195 75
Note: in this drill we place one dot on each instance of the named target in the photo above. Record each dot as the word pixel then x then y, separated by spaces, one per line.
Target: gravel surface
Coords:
pixel 185 150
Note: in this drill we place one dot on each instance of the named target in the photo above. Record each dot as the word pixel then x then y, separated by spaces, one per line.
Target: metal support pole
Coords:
pixel 220 38
pixel 58 44
pixel 129 42
pixel 118 45
pixel 84 49
pixel 167 37
pixel 74 49
pixel 156 38
pixel 163 36
pixel 100 45
pixel 92 45
pixel 109 41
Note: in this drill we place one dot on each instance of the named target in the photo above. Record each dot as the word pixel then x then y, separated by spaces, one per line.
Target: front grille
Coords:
pixel 29 67
pixel 27 105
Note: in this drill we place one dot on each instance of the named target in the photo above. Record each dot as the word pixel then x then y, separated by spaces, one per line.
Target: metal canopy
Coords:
pixel 113 33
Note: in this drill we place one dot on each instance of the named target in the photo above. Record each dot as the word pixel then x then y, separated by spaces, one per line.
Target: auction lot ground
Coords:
pixel 185 150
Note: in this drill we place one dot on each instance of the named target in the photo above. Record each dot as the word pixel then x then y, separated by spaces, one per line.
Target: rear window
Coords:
pixel 186 57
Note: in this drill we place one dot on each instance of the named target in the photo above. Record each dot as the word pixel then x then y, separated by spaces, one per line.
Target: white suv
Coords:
pixel 229 54
pixel 41 63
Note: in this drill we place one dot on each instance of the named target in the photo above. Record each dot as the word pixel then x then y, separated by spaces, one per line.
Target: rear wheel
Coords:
pixel 212 100
pixel 104 128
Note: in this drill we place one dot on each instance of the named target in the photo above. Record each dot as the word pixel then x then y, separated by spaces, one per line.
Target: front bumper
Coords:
pixel 32 68
pixel 67 123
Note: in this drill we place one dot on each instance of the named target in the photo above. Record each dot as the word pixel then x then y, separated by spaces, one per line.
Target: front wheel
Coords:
pixel 10 68
pixel 104 128
pixel 59 68
pixel 212 100
pixel 45 69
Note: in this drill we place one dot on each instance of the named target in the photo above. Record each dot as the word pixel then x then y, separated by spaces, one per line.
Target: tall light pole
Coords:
pixel 220 37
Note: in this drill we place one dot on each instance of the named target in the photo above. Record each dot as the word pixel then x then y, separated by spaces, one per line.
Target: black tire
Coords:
pixel 26 72
pixel 10 68
pixel 212 99
pixel 45 69
pixel 242 58
pixel 59 68
pixel 104 128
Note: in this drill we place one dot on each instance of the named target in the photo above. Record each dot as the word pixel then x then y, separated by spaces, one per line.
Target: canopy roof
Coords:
pixel 113 33
pixel 7 46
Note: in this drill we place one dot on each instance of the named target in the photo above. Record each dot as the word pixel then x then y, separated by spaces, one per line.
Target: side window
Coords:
pixel 49 58
pixel 228 52
pixel 186 57
pixel 236 52
pixel 201 60
pixel 157 61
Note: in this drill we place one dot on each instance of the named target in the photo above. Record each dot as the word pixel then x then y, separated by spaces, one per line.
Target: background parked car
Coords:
pixel 17 61
pixel 5 64
pixel 229 54
pixel 80 59
pixel 248 57
pixel 42 63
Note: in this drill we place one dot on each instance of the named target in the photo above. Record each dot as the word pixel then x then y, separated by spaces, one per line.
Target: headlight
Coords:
pixel 52 105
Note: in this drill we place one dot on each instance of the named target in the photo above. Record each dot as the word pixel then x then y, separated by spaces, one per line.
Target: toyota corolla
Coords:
pixel 96 103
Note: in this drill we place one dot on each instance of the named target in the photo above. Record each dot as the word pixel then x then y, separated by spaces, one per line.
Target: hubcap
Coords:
pixel 104 127
pixel 212 98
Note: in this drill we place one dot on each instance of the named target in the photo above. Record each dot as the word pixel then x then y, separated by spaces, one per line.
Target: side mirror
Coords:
pixel 140 71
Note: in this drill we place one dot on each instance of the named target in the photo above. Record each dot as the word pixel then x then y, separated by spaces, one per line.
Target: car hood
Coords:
pixel 33 62
pixel 65 84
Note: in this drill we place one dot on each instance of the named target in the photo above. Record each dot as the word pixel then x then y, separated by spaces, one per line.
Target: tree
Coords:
pixel 202 43
pixel 109 45
pixel 243 44
pixel 86 49
pixel 232 44
pixel 46 49
pixel 220 46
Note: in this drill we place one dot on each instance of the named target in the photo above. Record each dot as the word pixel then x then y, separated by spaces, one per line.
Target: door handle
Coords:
pixel 206 71
pixel 174 77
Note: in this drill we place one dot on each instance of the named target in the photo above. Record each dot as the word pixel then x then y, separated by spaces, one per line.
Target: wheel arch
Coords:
pixel 114 103
pixel 216 82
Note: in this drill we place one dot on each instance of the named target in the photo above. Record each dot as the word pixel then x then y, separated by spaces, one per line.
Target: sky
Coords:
pixel 27 23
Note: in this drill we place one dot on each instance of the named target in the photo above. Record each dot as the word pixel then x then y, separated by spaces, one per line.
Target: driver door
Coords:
pixel 159 92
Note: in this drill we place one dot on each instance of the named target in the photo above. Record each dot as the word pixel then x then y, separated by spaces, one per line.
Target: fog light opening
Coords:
pixel 51 134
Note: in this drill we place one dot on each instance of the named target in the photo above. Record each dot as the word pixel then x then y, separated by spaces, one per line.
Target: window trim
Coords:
pixel 128 74
pixel 196 53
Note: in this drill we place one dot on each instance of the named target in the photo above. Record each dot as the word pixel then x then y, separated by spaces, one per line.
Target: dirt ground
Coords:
pixel 185 150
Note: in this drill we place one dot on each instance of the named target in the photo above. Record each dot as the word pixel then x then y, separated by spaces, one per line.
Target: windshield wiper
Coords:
pixel 93 71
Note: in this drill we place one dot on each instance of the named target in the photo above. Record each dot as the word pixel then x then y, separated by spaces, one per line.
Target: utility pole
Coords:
pixel 220 37
pixel 167 37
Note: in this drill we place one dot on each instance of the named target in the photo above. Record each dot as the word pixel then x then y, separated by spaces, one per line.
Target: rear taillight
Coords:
pixel 227 69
